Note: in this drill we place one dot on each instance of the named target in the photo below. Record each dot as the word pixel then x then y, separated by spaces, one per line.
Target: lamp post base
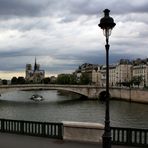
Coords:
pixel 106 141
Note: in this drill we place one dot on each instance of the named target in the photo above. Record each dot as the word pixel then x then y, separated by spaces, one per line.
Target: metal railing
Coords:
pixel 45 129
pixel 120 136
pixel 129 136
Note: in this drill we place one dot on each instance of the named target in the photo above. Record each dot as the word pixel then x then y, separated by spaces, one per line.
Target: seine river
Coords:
pixel 58 107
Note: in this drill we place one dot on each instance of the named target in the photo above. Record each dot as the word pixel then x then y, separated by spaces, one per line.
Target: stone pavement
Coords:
pixel 21 141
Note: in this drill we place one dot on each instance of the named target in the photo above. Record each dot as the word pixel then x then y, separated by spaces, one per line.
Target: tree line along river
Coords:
pixel 58 106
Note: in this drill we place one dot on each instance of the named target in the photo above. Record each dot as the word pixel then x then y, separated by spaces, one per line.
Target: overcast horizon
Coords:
pixel 64 34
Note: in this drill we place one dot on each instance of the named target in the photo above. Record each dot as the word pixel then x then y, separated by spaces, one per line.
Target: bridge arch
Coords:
pixel 41 87
pixel 102 95
pixel 74 92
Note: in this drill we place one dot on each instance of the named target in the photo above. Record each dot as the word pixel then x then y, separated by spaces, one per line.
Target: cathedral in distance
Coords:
pixel 34 74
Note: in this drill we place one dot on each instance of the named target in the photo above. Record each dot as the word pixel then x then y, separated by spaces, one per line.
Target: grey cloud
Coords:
pixel 68 7
pixel 59 41
pixel 87 7
pixel 26 24
pixel 126 6
pixel 26 52
pixel 16 60
pixel 9 8
pixel 68 19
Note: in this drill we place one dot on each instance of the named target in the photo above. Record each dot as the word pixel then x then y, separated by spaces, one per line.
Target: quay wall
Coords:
pixel 131 95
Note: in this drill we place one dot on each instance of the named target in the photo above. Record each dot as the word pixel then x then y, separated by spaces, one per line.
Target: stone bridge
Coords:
pixel 85 90
pixel 90 91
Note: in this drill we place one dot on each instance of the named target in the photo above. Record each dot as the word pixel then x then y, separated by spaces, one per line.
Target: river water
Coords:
pixel 57 107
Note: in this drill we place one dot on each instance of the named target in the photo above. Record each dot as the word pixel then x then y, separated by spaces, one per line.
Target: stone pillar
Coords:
pixel 83 131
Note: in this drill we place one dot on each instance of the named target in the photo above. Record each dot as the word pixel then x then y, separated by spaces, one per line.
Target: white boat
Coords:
pixel 36 97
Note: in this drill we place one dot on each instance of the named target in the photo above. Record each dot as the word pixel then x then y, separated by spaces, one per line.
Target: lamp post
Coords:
pixel 107 24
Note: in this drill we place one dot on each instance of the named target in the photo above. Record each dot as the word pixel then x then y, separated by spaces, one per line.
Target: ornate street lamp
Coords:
pixel 107 24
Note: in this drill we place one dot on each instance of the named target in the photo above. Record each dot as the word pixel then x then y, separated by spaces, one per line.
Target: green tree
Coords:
pixel 14 80
pixel 63 79
pixel 136 80
pixel 73 79
pixel 126 83
pixel 84 79
pixel 21 80
pixel 46 80
pixel 4 82
pixel 66 79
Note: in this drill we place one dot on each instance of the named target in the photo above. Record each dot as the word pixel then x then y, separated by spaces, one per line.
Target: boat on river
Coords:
pixel 37 97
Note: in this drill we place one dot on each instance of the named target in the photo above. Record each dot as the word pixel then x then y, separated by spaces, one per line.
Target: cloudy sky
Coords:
pixel 63 34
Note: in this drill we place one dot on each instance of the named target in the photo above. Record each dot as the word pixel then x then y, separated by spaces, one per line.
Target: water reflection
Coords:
pixel 129 114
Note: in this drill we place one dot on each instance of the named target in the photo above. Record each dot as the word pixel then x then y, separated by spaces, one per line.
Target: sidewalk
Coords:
pixel 21 141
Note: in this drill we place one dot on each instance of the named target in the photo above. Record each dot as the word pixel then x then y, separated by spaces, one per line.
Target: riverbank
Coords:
pixel 130 95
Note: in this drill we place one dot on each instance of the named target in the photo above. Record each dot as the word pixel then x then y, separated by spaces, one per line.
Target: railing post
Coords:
pixel 22 127
pixel 2 125
pixel 145 138
pixel 129 136
pixel 43 129
pixel 60 131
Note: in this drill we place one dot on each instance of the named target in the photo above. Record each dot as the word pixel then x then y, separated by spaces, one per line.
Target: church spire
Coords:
pixel 35 65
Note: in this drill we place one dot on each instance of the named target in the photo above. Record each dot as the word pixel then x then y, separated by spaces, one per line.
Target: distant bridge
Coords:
pixel 90 91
